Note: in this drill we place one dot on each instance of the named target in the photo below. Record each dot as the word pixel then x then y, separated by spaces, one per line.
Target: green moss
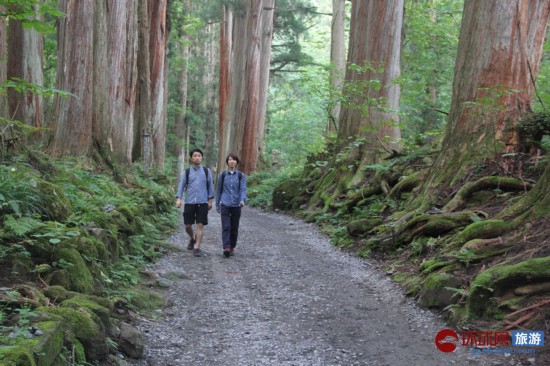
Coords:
pixel 59 278
pixel 130 214
pixel 50 343
pixel 433 265
pixel 56 205
pixel 479 249
pixel 79 275
pixel 16 356
pixel 512 304
pixel 80 356
pixel 325 185
pixel 362 226
pixel 484 230
pixel 79 302
pixel 79 323
pixel 42 350
pixel 145 300
pixel 89 247
pixel 491 283
pixel 411 284
pixel 437 290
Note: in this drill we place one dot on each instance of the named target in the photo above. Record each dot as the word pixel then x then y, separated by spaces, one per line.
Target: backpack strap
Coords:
pixel 207 179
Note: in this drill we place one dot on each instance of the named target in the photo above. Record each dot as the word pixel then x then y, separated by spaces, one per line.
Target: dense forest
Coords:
pixel 412 132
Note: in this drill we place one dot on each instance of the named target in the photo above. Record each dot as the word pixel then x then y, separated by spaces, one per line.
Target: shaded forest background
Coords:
pixel 414 132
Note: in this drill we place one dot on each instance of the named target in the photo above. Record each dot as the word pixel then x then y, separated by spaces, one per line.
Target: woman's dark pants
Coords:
pixel 230 225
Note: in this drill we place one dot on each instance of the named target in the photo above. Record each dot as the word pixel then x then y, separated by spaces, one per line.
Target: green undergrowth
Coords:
pixel 70 224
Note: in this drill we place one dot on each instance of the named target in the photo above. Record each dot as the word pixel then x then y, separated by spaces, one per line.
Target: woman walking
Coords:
pixel 230 197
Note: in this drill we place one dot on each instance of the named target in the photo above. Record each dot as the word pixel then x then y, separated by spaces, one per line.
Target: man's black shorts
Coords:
pixel 195 213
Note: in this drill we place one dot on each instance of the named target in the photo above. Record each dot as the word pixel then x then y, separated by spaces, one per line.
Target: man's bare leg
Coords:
pixel 189 231
pixel 200 228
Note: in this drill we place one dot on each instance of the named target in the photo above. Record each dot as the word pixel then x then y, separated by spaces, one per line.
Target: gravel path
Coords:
pixel 287 297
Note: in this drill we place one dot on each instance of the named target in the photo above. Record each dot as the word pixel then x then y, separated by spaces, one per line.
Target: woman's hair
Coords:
pixel 194 151
pixel 232 156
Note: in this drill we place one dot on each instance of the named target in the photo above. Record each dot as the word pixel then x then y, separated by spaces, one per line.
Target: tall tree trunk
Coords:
pixel 225 113
pixel 4 107
pixel 251 37
pixel 499 56
pixel 210 54
pixel 26 50
pixel 268 15
pixel 72 117
pixel 180 125
pixel 375 44
pixel 150 129
pixel 115 77
pixel 143 110
pixel 157 46
pixel 337 60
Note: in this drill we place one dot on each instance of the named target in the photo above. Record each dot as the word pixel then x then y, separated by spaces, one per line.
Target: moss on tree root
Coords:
pixel 492 283
pixel 435 225
pixel 485 183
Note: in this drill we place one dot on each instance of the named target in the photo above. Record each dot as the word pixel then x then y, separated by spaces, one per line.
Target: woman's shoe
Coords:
pixel 226 252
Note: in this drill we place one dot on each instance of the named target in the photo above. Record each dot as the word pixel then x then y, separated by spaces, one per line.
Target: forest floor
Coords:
pixel 288 297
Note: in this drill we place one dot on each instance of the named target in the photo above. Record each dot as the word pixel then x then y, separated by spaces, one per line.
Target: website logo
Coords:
pixel 530 338
pixel 490 342
pixel 445 340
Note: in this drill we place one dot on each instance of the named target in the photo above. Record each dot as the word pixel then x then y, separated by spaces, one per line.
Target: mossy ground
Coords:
pixel 85 233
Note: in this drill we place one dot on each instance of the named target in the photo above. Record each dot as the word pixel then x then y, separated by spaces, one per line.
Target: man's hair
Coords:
pixel 194 151
pixel 232 156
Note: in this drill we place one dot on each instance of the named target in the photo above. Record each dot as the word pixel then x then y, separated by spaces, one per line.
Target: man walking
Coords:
pixel 196 181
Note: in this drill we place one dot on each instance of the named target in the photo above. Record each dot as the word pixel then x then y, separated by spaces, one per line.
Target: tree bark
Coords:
pixel 150 131
pixel 337 60
pixel 183 47
pixel 115 77
pixel 4 107
pixel 498 59
pixel 225 113
pixel 26 50
pixel 159 68
pixel 210 102
pixel 72 117
pixel 375 42
pixel 244 107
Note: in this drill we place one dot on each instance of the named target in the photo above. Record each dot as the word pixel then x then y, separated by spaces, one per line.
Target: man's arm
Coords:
pixel 181 186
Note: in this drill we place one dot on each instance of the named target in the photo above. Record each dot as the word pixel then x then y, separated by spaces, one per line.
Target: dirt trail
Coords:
pixel 288 298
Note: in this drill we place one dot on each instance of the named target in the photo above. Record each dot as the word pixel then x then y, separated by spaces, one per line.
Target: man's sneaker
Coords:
pixel 226 252
pixel 191 244
pixel 231 251
pixel 198 253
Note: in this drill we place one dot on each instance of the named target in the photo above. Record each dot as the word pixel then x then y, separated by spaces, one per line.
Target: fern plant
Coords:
pixel 18 192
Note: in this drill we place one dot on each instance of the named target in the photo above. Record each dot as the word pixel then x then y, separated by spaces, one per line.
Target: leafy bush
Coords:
pixel 260 185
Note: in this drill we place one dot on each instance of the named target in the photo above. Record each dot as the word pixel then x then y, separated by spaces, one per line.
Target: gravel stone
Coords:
pixel 288 297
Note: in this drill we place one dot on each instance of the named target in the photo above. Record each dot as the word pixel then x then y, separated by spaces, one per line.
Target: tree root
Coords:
pixel 435 225
pixel 366 192
pixel 485 183
pixel 406 184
